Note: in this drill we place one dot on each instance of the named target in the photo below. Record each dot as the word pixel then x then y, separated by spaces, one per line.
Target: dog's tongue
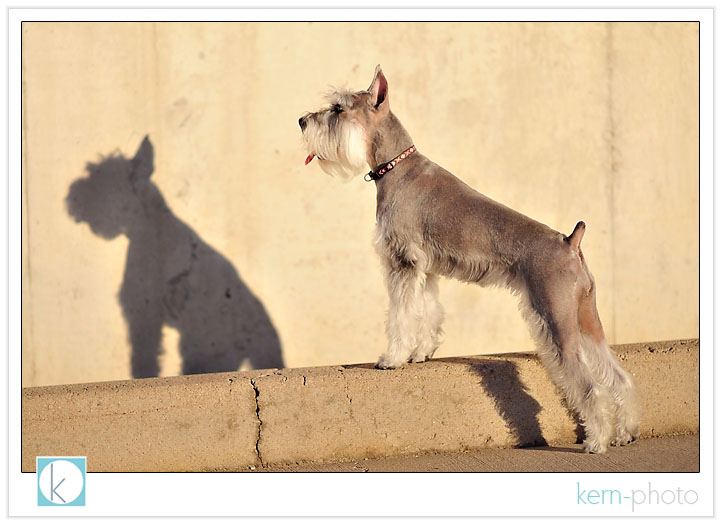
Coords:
pixel 310 158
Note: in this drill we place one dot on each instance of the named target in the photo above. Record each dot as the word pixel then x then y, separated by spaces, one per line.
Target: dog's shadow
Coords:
pixel 520 411
pixel 172 277
pixel 518 408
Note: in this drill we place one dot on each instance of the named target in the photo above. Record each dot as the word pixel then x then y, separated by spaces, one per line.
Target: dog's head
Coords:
pixel 341 135
pixel 110 197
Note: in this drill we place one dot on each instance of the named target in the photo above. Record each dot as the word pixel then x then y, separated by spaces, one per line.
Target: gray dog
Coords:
pixel 431 224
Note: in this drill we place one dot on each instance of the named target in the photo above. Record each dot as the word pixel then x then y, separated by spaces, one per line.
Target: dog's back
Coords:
pixel 465 234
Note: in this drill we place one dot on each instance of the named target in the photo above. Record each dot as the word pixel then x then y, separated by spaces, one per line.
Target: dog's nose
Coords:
pixel 302 123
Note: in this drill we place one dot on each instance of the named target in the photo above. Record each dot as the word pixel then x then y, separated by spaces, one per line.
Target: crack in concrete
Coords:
pixel 345 391
pixel 260 424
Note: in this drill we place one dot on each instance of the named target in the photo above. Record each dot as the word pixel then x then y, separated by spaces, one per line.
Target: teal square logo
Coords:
pixel 61 481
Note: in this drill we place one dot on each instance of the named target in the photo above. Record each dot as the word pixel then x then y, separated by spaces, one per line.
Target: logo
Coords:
pixel 61 481
pixel 636 497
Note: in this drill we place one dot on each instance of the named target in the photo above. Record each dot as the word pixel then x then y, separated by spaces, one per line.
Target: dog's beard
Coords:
pixel 340 151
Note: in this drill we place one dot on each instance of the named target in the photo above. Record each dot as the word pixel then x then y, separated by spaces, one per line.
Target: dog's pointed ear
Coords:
pixel 143 160
pixel 379 89
pixel 575 238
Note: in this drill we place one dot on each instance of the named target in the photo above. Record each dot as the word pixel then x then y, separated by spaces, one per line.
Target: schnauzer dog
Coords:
pixel 431 224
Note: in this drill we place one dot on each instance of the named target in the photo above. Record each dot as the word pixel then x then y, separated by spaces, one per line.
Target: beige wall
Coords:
pixel 561 121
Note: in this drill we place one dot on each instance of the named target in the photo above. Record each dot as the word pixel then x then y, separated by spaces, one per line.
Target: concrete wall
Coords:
pixel 237 245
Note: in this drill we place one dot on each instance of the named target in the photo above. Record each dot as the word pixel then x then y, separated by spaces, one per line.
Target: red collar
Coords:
pixel 381 171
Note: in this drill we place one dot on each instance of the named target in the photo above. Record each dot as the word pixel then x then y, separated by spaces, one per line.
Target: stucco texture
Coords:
pixel 211 247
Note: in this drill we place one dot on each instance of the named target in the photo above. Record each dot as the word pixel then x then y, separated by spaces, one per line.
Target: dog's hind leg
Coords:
pixel 553 317
pixel 432 318
pixel 609 373
pixel 569 370
pixel 607 370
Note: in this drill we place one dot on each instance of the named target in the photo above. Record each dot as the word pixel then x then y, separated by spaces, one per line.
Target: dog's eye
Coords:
pixel 337 109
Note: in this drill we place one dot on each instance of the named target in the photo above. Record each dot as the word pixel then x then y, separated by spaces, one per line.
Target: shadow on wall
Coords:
pixel 172 276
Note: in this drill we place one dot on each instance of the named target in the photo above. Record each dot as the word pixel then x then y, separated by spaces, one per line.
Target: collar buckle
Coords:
pixel 380 172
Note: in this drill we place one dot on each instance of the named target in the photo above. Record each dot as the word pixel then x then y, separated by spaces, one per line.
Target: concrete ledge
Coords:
pixel 233 421
pixel 201 422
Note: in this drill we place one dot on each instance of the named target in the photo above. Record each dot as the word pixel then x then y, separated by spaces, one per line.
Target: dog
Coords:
pixel 431 224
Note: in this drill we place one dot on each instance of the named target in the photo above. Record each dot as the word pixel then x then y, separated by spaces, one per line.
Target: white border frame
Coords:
pixel 469 494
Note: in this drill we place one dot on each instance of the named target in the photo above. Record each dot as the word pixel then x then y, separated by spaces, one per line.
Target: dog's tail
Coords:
pixel 575 238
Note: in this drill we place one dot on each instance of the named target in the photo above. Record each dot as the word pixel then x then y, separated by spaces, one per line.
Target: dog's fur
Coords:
pixel 431 224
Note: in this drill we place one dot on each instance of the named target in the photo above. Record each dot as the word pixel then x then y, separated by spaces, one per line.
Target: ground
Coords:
pixel 662 454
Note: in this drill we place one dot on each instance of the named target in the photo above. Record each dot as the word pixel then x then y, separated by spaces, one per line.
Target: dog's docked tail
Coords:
pixel 575 238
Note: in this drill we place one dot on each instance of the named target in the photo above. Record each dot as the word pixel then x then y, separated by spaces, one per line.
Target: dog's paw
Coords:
pixel 385 363
pixel 594 447
pixel 623 439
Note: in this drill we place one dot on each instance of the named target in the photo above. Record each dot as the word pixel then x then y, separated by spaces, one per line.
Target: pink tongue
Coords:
pixel 310 158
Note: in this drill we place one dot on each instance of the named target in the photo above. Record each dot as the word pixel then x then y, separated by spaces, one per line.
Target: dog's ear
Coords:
pixel 143 160
pixel 379 89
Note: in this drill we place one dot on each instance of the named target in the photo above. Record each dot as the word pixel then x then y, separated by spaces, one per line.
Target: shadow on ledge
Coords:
pixel 520 411
pixel 172 277
pixel 515 405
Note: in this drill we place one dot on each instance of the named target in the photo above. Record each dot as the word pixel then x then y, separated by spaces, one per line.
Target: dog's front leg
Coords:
pixel 404 322
pixel 431 322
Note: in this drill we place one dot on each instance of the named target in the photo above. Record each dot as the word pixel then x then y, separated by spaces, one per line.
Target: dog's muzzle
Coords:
pixel 302 124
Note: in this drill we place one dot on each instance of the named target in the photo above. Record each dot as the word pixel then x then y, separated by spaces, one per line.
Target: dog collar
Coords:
pixel 380 172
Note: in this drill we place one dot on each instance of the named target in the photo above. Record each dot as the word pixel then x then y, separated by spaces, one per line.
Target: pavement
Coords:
pixel 662 454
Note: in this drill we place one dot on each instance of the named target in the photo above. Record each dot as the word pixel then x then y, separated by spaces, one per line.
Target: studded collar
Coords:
pixel 382 169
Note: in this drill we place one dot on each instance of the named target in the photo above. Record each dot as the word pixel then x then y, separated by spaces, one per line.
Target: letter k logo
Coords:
pixel 61 481
pixel 54 489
